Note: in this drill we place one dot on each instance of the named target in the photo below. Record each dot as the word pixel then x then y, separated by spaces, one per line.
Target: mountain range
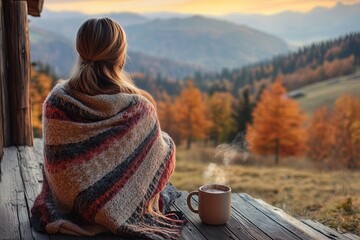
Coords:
pixel 190 43
pixel 300 28
pixel 59 53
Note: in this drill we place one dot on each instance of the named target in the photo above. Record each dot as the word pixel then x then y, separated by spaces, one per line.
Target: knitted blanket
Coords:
pixel 106 165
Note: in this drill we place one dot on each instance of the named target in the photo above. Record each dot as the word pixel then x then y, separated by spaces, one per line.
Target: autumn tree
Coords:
pixel 190 114
pixel 40 85
pixel 347 121
pixel 220 113
pixel 322 133
pixel 166 112
pixel 277 127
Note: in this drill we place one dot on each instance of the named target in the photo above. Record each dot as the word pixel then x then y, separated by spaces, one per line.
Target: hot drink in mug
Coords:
pixel 214 203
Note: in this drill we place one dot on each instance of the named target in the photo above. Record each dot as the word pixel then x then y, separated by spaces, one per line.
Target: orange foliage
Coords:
pixel 277 127
pixel 347 117
pixel 190 114
pixel 322 135
pixel 335 135
pixel 40 86
pixel 166 111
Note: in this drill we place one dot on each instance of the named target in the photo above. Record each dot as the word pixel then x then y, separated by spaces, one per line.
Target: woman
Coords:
pixel 106 160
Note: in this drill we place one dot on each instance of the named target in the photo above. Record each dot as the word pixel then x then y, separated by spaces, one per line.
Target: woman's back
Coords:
pixel 106 159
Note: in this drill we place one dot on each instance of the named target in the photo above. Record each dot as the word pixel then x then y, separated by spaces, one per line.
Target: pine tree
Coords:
pixel 277 127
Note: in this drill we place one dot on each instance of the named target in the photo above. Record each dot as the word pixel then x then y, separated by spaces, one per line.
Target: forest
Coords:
pixel 253 102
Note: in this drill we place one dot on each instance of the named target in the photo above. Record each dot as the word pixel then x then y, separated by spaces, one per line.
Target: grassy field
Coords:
pixel 325 93
pixel 332 198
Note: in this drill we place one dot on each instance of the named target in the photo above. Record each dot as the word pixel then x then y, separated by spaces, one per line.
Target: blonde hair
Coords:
pixel 101 44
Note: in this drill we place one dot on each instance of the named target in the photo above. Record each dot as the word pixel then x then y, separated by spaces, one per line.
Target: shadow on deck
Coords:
pixel 251 218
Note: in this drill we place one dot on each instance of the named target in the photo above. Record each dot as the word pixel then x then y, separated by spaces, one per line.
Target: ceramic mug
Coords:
pixel 214 206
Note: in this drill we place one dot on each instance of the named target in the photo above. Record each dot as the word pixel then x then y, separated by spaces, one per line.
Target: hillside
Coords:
pixel 58 52
pixel 303 28
pixel 212 43
pixel 325 93
pixel 67 23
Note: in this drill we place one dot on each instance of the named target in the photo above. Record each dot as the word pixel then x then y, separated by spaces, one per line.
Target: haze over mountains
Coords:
pixel 58 51
pixel 204 43
pixel 194 42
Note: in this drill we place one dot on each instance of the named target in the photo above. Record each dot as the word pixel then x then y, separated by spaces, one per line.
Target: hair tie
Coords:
pixel 89 62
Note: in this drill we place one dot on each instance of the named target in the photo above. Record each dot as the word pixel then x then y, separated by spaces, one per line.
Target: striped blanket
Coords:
pixel 106 166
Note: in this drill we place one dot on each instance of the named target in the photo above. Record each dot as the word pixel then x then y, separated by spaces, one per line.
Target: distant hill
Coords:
pixel 67 23
pixel 58 52
pixel 325 93
pixel 214 44
pixel 312 63
pixel 197 41
pixel 303 28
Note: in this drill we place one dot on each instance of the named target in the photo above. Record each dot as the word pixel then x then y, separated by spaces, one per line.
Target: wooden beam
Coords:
pixel 4 108
pixel 18 72
pixel 35 7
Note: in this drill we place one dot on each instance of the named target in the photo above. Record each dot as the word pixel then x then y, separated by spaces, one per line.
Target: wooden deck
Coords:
pixel 251 218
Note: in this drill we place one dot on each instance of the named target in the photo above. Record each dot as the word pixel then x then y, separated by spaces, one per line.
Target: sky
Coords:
pixel 214 7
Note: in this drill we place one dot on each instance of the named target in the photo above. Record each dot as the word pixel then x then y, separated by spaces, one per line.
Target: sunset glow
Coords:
pixel 214 7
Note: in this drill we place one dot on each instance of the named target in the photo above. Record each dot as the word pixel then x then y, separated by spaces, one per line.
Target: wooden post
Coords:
pixel 18 72
pixel 2 79
pixel 4 108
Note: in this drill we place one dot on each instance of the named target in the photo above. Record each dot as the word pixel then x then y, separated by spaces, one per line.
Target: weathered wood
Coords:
pixel 23 217
pixel 328 232
pixel 2 78
pixel 290 223
pixel 263 222
pixel 35 7
pixel 190 230
pixel 351 236
pixel 246 228
pixel 250 218
pixel 30 163
pixel 4 112
pixel 11 193
pixel 18 72
pixel 210 232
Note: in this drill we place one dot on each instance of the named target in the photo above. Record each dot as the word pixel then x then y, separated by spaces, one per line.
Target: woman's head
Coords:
pixel 101 44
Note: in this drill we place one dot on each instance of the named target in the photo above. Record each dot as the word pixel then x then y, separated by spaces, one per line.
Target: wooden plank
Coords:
pixel 351 236
pixel 290 223
pixel 31 160
pixel 247 228
pixel 10 186
pixel 209 232
pixel 23 217
pixel 189 230
pixel 18 72
pixel 35 7
pixel 241 227
pixel 328 232
pixel 262 221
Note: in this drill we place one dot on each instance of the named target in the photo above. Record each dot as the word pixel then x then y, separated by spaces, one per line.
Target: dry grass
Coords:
pixel 325 93
pixel 332 198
